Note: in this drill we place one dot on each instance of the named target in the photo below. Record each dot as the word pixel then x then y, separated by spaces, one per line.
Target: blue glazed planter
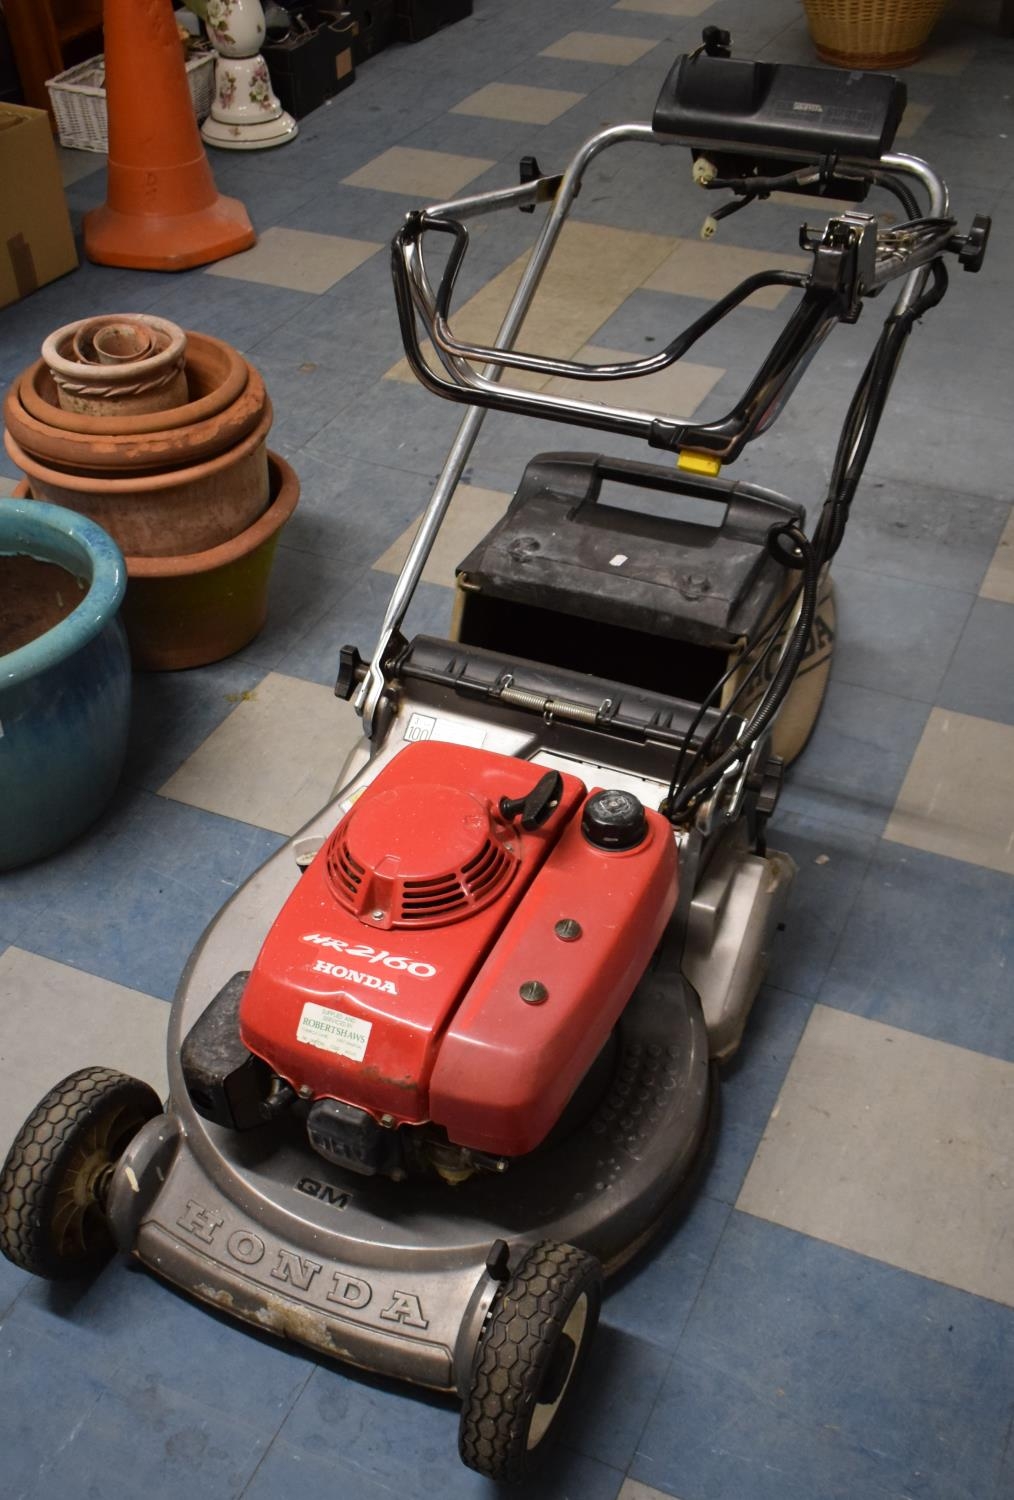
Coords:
pixel 64 695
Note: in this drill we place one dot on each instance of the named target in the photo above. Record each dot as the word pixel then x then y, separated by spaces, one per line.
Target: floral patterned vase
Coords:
pixel 245 114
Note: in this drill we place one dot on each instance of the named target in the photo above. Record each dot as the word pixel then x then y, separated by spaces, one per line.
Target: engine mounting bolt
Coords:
pixel 533 992
pixel 693 586
pixel 378 914
pixel 387 1121
pixel 567 930
pixel 306 1092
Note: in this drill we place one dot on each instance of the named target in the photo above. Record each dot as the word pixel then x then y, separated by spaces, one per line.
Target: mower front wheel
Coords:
pixel 528 1359
pixel 53 1183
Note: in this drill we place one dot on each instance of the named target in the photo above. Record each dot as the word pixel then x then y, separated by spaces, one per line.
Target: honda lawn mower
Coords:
pixel 449 1058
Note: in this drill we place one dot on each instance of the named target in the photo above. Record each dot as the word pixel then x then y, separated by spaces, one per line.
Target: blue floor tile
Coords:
pixel 980 677
pixel 749 1086
pixel 356 619
pixel 351 329
pixel 241 312
pixel 811 1373
pixel 895 635
pixel 174 712
pixel 305 397
pixel 129 900
pixel 45 1400
pixel 401 1438
pixel 650 1300
pixel 154 1443
pixel 831 860
pixel 927 947
pixel 928 535
pixel 618 1389
pixel 12 1283
pixel 142 1335
pixel 398 425
pixel 350 512
pixel 855 762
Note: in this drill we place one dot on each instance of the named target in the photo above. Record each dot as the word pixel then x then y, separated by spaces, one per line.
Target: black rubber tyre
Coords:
pixel 51 1218
pixel 528 1360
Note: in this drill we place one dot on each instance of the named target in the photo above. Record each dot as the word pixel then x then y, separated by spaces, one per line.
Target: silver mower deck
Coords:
pixel 392 1276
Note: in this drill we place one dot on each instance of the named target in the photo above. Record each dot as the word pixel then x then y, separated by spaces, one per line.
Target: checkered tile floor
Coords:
pixel 835 1318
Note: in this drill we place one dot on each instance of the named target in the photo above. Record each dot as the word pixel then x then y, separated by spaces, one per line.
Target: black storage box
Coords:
pixel 624 570
pixel 418 19
pixel 373 22
pixel 309 67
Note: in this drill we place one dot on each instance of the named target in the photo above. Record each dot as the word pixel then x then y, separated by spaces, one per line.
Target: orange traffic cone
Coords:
pixel 162 210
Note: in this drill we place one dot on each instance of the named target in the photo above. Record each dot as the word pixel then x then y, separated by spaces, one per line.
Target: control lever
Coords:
pixel 971 247
pixel 538 805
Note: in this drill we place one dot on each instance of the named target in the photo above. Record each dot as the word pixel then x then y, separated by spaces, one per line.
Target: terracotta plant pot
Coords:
pixel 91 378
pixel 105 343
pixel 216 376
pixel 118 453
pixel 164 514
pixel 188 611
pixel 64 677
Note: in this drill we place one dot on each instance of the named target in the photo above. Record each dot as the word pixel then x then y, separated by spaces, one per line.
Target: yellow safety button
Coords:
pixel 699 463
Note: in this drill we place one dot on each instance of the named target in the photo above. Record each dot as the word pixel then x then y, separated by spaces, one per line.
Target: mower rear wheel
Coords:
pixel 52 1187
pixel 528 1359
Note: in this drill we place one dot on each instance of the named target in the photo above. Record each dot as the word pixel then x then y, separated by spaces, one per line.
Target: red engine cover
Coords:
pixel 391 978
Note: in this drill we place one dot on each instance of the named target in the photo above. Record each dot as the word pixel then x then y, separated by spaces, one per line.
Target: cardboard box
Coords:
pixel 36 241
pixel 415 20
pixel 308 68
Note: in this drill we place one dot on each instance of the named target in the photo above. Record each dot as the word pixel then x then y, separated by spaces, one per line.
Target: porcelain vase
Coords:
pixel 245 112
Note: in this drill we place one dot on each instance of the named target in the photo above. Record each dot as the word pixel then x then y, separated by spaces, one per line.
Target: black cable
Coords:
pixel 865 411
pixel 704 749
pixel 773 629
pixel 780 683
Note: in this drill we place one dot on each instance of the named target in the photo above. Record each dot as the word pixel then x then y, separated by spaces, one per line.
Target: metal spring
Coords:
pixel 549 707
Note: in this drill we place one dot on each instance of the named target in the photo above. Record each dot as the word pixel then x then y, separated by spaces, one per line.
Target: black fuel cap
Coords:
pixel 613 820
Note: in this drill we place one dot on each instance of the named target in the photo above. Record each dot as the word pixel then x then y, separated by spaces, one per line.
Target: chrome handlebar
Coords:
pixel 481 389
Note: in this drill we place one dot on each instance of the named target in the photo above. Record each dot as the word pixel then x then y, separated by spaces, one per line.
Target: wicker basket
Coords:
pixel 872 33
pixel 78 98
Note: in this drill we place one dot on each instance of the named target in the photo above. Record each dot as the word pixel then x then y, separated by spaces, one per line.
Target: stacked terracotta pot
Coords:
pixel 161 437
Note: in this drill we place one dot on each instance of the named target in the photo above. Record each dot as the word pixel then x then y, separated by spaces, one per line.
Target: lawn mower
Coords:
pixel 450 1057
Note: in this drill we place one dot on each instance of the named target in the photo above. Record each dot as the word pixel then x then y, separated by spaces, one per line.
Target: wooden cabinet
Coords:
pixel 48 36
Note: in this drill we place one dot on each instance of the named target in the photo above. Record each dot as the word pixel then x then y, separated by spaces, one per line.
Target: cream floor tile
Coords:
pixel 518 101
pixel 666 7
pixel 471 514
pixel 958 796
pixel 597 47
pixel 895 1146
pixel 274 761
pixel 297 259
pixel 913 120
pixel 633 1489
pixel 816 206
pixel 54 1019
pixel 999 580
pixel 593 270
pixel 676 392
pixel 699 268
pixel 947 62
pixel 423 174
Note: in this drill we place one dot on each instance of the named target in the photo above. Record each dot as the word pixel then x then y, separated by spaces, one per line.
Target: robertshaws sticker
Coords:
pixel 333 1031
